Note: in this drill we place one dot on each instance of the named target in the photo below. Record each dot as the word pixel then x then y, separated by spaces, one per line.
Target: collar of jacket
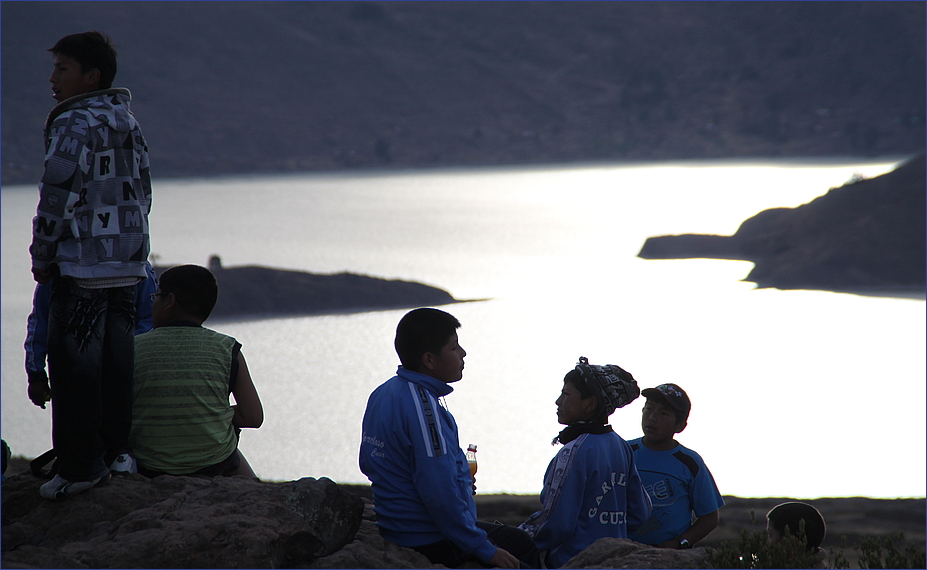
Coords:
pixel 74 101
pixel 432 384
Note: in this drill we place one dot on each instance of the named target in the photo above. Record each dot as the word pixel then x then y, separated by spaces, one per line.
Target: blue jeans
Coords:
pixel 91 349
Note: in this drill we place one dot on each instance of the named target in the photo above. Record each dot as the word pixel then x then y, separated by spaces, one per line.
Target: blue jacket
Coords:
pixel 422 488
pixel 591 490
pixel 37 324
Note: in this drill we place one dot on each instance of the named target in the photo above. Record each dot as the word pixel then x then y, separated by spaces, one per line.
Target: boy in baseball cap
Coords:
pixel 675 477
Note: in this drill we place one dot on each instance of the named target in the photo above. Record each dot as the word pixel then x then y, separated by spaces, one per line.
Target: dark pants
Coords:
pixel 512 539
pixel 221 469
pixel 91 348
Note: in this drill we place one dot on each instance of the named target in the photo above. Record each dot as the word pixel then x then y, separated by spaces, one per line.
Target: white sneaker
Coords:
pixel 124 463
pixel 60 488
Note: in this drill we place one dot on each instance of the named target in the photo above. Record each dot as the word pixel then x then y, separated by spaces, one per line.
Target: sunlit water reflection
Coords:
pixel 794 393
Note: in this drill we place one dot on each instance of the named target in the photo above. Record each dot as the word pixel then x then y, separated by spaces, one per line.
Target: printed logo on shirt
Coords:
pixel 378 445
pixel 616 479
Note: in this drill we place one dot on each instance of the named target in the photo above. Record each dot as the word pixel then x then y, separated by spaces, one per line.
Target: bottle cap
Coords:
pixel 471 447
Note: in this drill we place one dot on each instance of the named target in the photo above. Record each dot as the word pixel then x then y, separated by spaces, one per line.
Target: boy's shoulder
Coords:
pixel 680 453
pixel 185 330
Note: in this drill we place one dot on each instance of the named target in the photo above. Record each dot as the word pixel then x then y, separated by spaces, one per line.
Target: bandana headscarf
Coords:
pixel 613 385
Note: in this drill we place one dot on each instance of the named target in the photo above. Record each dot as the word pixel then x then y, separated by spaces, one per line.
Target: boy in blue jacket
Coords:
pixel 422 487
pixel 592 489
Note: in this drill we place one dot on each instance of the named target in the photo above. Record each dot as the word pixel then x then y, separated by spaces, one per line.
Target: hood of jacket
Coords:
pixel 110 106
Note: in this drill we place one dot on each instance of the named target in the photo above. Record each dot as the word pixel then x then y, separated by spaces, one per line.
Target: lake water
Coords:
pixel 795 393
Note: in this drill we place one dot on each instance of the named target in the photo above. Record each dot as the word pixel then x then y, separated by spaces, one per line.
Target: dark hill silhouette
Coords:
pixel 865 237
pixel 254 292
pixel 224 88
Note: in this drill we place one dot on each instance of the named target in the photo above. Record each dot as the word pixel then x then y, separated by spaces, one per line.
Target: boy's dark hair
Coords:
pixel 612 386
pixel 92 50
pixel 576 379
pixel 421 331
pixel 585 391
pixel 193 286
pixel 791 515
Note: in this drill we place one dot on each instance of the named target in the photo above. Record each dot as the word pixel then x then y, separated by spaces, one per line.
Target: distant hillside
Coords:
pixel 864 237
pixel 254 292
pixel 258 87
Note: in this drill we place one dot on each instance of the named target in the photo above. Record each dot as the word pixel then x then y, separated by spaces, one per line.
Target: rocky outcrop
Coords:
pixel 185 522
pixel 178 522
pixel 624 553
pixel 254 292
pixel 866 236
pixel 370 550
pixel 230 522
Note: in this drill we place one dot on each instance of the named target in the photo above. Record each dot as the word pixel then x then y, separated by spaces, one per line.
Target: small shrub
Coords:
pixel 754 551
pixel 870 553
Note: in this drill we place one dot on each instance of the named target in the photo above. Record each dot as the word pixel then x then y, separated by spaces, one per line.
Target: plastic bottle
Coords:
pixel 471 459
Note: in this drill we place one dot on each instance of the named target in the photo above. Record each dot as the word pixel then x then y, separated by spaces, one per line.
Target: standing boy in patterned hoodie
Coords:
pixel 90 234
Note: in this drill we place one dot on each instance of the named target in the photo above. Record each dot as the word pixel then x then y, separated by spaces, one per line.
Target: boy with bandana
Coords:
pixel 592 488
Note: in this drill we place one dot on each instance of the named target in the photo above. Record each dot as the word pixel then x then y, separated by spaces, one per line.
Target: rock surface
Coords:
pixel 624 553
pixel 177 522
pixel 866 236
pixel 184 522
pixel 370 550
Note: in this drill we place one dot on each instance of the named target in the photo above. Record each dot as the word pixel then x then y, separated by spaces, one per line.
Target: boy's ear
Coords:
pixel 591 404
pixel 428 361
pixel 92 80
pixel 681 426
pixel 170 301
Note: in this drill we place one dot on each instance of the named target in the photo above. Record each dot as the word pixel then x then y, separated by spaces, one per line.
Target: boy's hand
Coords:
pixel 39 392
pixel 41 276
pixel 502 559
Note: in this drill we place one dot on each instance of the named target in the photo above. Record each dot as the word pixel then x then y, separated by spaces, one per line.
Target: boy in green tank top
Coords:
pixel 183 423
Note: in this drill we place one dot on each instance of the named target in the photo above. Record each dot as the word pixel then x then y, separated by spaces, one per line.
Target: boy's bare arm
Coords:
pixel 699 530
pixel 249 413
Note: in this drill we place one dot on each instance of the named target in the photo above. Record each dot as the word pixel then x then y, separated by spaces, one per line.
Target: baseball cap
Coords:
pixel 672 394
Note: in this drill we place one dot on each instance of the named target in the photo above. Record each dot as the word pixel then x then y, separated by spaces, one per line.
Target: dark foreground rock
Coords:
pixel 254 292
pixel 864 237
pixel 624 553
pixel 369 550
pixel 190 522
pixel 185 522
pixel 178 522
